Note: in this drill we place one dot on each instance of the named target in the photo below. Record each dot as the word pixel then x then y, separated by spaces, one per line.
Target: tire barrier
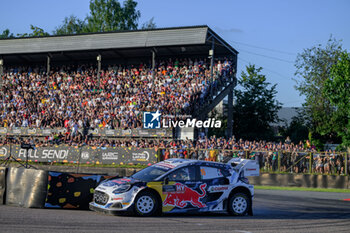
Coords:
pixel 38 188
pixel 71 191
pixel 301 180
pixel 2 184
pixel 26 187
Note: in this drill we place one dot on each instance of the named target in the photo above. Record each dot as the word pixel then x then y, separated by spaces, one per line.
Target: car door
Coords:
pixel 216 182
pixel 183 193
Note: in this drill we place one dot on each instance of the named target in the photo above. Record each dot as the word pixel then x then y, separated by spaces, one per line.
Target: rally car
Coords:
pixel 180 186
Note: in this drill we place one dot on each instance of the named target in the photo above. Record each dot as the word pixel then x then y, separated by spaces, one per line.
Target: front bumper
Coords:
pixel 94 207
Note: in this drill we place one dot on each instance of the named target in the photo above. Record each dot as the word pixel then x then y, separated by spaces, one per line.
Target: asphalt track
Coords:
pixel 274 211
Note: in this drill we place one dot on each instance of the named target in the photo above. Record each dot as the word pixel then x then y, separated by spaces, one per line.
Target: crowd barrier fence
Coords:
pixel 330 163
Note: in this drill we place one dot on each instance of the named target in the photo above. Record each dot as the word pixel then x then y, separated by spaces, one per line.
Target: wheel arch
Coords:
pixel 156 194
pixel 241 189
pixel 245 190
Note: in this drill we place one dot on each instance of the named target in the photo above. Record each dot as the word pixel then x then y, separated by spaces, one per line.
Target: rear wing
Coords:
pixel 245 167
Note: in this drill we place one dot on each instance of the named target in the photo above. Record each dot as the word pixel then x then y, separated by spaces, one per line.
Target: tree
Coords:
pixel 296 130
pixel 336 90
pixel 149 24
pixel 109 15
pixel 256 106
pixel 105 16
pixel 36 31
pixel 6 34
pixel 313 69
pixel 71 25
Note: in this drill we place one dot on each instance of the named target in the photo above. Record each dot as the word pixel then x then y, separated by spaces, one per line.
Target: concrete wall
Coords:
pixel 301 180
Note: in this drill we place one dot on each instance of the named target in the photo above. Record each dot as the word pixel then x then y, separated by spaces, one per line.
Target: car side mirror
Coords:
pixel 166 180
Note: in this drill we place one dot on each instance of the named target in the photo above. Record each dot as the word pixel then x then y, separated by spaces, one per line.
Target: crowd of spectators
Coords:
pixel 73 97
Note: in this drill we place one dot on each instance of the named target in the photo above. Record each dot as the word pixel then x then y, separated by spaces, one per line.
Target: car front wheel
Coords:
pixel 239 204
pixel 146 204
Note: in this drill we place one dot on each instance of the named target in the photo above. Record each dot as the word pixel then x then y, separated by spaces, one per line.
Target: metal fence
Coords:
pixel 334 163
pixel 330 163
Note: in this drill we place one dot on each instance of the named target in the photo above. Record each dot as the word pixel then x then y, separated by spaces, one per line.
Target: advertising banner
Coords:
pixel 71 191
pixel 84 154
pixel 22 131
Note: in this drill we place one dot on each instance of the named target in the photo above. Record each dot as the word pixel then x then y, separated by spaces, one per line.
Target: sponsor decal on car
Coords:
pixel 184 195
pixel 216 189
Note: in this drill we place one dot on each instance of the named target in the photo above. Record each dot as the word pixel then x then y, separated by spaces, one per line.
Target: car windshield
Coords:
pixel 150 173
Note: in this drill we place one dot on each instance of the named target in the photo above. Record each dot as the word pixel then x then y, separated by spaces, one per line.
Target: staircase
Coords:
pixel 223 88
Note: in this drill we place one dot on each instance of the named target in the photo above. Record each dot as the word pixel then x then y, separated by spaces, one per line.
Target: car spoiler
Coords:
pixel 245 167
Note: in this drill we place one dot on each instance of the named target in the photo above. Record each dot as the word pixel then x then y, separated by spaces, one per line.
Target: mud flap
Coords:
pixel 250 211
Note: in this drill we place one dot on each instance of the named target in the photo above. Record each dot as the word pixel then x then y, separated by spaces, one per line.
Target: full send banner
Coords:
pixel 85 154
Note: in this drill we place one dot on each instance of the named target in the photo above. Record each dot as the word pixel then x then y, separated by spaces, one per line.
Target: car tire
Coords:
pixel 239 204
pixel 146 204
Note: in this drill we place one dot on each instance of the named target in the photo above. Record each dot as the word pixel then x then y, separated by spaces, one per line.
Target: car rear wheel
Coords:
pixel 239 204
pixel 146 204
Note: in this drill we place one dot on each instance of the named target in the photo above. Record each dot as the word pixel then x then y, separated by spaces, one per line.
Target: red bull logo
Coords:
pixel 184 195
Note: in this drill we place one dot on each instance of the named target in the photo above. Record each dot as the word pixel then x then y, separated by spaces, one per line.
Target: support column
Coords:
pixel 230 113
pixel 153 63
pixel 1 66
pixel 153 59
pixel 211 54
pixel 48 64
pixel 99 58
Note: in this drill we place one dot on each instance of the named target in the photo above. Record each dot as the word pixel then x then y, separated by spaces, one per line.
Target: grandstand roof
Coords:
pixel 195 40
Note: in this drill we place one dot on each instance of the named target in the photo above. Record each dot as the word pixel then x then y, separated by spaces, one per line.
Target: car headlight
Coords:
pixel 122 188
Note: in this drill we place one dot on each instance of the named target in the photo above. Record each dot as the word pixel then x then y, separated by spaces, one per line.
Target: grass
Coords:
pixel 302 189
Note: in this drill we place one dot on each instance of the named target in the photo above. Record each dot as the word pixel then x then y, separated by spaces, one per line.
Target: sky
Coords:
pixel 266 33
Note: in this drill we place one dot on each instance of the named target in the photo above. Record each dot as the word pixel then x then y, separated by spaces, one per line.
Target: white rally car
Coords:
pixel 181 186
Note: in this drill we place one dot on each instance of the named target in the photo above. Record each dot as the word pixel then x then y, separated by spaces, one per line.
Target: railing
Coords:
pixel 42 132
pixel 336 163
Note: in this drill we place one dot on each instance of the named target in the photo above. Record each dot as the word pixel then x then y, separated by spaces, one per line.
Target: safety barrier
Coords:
pixel 2 184
pixel 71 191
pixel 330 163
pixel 302 180
pixel 83 154
pixel 42 189
pixel 26 187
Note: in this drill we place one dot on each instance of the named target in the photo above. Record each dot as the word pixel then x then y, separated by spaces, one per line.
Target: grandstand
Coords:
pixel 99 83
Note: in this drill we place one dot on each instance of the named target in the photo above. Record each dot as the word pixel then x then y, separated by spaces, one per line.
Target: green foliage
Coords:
pixel 313 69
pixel 256 106
pixel 218 132
pixel 105 16
pixel 296 130
pixel 336 90
pixel 109 15
pixel 71 25
pixel 149 24
pixel 36 31
pixel 6 34
pixel 316 140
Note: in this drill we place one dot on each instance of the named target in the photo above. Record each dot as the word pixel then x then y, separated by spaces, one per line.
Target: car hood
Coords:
pixel 112 184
